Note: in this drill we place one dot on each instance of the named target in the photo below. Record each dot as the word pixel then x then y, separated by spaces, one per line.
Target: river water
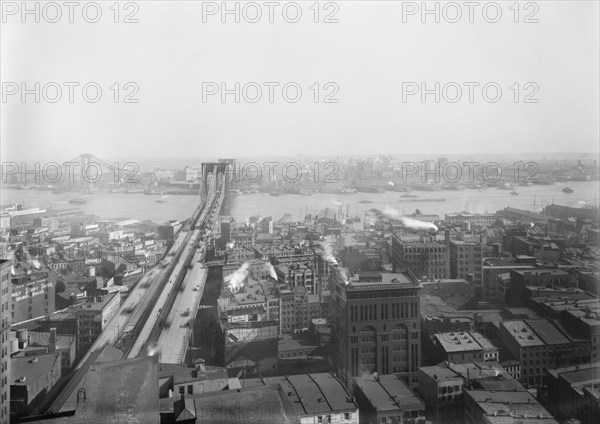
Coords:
pixel 144 207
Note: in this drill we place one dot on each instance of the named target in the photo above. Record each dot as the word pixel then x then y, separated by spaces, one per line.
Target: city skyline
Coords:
pixel 351 212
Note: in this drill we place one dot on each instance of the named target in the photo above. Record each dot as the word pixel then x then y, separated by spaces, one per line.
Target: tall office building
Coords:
pixel 5 294
pixel 377 326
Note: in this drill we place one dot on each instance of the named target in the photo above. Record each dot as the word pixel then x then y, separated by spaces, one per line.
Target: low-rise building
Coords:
pixel 464 346
pixel 182 379
pixel 504 407
pixel 520 279
pixel 31 380
pixel 441 386
pixel 573 392
pixel 539 344
pixel 385 399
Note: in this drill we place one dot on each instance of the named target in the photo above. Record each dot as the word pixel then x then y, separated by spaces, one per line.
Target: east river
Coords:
pixel 144 207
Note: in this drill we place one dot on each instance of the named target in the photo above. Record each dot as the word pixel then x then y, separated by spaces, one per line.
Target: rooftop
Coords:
pixel 577 374
pixel 258 405
pixel 388 393
pixel 317 393
pixel 535 332
pixel 133 393
pixel 215 378
pixel 33 368
pixel 522 334
pixel 545 271
pixel 463 341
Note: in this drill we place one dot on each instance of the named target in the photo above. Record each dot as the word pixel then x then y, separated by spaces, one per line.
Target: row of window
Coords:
pixel 360 313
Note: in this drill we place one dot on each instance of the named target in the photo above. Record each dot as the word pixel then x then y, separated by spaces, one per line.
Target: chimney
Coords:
pixel 52 341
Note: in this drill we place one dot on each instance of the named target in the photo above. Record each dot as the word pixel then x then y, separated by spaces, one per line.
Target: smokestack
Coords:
pixel 447 236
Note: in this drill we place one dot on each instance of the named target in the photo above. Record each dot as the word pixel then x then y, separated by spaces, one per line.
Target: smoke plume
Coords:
pixel 236 281
pixel 409 222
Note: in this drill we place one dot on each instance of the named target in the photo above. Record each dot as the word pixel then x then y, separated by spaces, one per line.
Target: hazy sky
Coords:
pixel 368 55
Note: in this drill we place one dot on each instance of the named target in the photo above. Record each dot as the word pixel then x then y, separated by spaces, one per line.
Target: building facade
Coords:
pixel 5 321
pixel 376 325
pixel 466 258
pixel 424 256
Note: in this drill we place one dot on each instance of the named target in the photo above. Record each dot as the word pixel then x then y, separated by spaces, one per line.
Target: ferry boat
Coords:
pixel 78 201
pixel 514 193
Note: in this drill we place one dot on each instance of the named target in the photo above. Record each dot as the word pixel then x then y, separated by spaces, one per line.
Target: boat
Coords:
pixel 409 196
pixel 514 193
pixel 78 201
pixel 163 199
pixel 369 189
pixel 567 189
pixel 365 201
pixel 423 200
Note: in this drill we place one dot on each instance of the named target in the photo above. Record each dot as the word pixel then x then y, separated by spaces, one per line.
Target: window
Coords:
pixel 346 415
pixel 181 390
pixel 190 389
pixel 320 418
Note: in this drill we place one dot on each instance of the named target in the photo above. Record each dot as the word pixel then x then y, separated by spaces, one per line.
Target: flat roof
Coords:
pixel 463 341
pixel 441 373
pixel 388 279
pixel 538 271
pixel 31 367
pixel 522 334
pixel 577 374
pixel 549 333
pixel 504 397
pixel 591 318
pixel 388 393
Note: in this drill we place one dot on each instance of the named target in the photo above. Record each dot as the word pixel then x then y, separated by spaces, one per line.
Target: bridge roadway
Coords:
pixel 124 328
pixel 174 336
pixel 131 310
pixel 147 341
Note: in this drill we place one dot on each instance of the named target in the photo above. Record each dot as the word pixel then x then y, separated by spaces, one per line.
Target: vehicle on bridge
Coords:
pixel 186 313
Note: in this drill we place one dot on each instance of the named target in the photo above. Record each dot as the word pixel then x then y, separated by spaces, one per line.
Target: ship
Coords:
pixel 514 193
pixel 163 199
pixel 567 189
pixel 409 196
pixel 78 201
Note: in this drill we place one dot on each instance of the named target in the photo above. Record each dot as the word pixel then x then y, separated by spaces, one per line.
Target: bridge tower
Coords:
pixel 221 171
pixel 87 174
pixel 228 175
